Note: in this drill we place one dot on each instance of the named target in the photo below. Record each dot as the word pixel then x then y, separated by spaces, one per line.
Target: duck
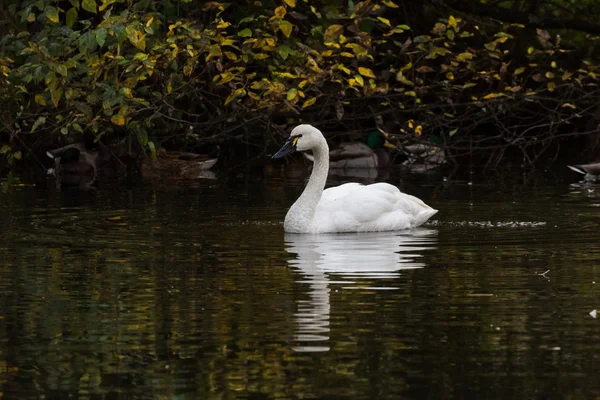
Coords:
pixel 351 207
pixel 590 172
pixel 178 165
pixel 74 166
pixel 370 154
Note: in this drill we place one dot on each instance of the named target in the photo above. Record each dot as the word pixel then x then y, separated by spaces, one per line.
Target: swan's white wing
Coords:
pixel 336 192
pixel 380 206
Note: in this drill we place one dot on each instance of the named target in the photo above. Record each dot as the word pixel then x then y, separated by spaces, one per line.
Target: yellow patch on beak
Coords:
pixel 295 140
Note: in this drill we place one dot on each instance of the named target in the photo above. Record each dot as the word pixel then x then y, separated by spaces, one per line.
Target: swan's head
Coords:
pixel 303 137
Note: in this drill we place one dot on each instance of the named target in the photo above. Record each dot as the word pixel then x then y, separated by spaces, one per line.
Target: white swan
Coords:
pixel 351 207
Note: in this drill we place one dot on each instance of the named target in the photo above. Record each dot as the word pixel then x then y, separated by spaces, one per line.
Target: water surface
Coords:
pixel 195 292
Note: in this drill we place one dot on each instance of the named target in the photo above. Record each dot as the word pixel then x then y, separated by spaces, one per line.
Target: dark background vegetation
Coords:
pixel 483 78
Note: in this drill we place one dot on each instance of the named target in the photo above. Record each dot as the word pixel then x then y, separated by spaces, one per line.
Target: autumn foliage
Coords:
pixel 199 73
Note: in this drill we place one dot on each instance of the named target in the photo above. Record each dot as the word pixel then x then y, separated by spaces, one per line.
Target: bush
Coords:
pixel 204 72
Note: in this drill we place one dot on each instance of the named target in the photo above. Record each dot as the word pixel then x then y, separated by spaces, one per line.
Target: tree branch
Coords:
pixel 525 18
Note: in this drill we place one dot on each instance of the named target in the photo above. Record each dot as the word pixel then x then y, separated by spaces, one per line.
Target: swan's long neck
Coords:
pixel 302 212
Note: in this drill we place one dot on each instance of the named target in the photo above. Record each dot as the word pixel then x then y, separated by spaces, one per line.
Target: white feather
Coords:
pixel 351 207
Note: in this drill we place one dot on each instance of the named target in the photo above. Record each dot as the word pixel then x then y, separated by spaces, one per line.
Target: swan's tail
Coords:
pixel 579 170
pixel 424 215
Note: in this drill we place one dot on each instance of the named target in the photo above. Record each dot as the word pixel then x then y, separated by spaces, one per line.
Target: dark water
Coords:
pixel 197 293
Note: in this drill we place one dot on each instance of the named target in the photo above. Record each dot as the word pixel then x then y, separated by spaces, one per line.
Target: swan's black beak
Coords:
pixel 288 148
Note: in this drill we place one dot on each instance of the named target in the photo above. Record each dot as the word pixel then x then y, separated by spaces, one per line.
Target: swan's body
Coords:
pixel 351 207
pixel 591 172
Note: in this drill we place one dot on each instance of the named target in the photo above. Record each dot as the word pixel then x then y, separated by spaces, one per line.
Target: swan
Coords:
pixel 350 207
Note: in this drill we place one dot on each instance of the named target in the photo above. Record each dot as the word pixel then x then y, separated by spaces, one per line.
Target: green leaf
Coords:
pixel 101 36
pixel 285 51
pixel 245 33
pixel 55 96
pixel 77 127
pixel 152 150
pixel 52 14
pixel 453 132
pixel 5 149
pixel 64 130
pixel 61 69
pixel 360 80
pixel 37 123
pixel 25 15
pixel 71 17
pixel 286 28
pixel 75 3
pixel 89 5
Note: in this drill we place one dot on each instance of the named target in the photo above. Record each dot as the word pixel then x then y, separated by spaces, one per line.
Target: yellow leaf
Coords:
pixel 530 50
pixel 411 123
pixel 424 69
pixel 492 96
pixel 469 85
pixel 52 14
pixel 359 79
pixel 333 32
pixel 223 25
pixel 343 68
pixel 452 21
pixel 230 55
pixel 553 64
pixel 302 84
pixel 519 70
pixel 464 57
pixel 346 54
pixel 411 93
pixel 418 130
pixel 450 76
pixel 309 102
pixel 549 75
pixel 286 28
pixel 569 105
pixel 279 12
pixel 291 94
pixel 118 119
pixel 39 99
pixel 55 96
pixel 384 20
pixel 17 155
pixel 551 86
pixel 291 3
pixel 327 53
pixel 366 72
pixel 389 4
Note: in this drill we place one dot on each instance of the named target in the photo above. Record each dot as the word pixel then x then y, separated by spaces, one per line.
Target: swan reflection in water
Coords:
pixel 327 259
